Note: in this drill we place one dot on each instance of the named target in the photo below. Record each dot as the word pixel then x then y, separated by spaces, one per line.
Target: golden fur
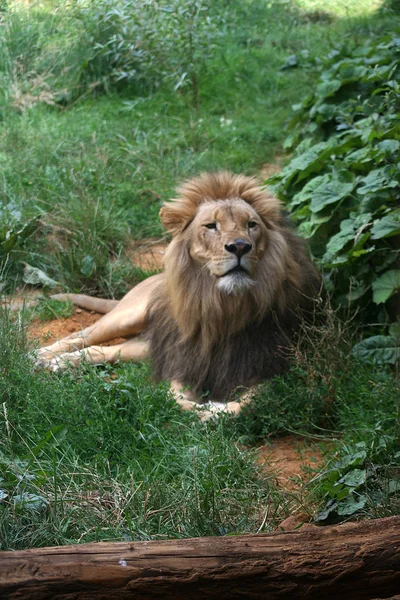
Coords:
pixel 237 282
pixel 203 307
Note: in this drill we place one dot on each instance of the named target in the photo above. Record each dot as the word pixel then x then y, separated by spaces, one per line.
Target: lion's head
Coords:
pixel 230 254
pixel 225 220
pixel 236 282
pixel 228 239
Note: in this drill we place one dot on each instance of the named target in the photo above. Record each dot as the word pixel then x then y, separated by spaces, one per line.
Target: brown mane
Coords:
pixel 217 342
pixel 177 213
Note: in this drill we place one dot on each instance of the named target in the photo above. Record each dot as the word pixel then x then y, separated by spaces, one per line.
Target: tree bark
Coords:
pixel 355 561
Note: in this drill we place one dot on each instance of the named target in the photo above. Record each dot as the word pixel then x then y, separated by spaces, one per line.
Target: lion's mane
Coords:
pixel 214 342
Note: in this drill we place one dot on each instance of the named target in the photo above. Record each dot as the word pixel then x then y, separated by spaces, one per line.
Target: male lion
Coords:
pixel 236 285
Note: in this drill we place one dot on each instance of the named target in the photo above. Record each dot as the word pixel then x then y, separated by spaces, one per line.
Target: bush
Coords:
pixel 342 186
pixel 144 43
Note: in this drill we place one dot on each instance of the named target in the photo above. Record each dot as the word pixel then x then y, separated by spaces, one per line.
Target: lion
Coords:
pixel 236 285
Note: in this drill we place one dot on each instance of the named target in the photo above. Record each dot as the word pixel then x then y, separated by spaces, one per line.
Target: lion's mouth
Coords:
pixel 237 269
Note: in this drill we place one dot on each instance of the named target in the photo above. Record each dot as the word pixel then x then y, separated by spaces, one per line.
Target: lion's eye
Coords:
pixel 211 225
pixel 252 224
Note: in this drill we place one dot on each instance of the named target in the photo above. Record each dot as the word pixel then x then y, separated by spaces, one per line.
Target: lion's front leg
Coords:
pixel 188 400
pixel 234 407
pixel 134 350
pixel 127 319
pixel 71 343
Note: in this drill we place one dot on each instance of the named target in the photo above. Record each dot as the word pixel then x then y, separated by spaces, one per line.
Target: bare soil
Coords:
pixel 148 254
pixel 48 332
pixel 292 459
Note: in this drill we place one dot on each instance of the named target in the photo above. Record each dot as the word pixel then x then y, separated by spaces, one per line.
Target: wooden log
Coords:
pixel 355 561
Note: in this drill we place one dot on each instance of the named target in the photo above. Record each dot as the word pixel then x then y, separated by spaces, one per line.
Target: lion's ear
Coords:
pixel 175 217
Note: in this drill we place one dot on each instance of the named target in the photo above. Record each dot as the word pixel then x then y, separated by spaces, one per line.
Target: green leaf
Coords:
pixel 393 486
pixel 378 349
pixel 387 226
pixel 350 71
pixel 323 112
pixel 394 329
pixel 329 509
pixel 385 286
pixel 351 505
pixel 360 157
pixel 354 459
pixel 328 88
pixel 34 276
pixel 305 163
pixel 355 293
pixel 389 146
pixel 354 478
pixel 88 265
pixel 376 180
pixel 31 502
pixel 291 62
pixel 10 241
pixel 308 190
pixel 351 230
pixel 330 191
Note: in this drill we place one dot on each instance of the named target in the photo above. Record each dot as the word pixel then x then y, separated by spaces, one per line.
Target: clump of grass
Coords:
pixel 48 309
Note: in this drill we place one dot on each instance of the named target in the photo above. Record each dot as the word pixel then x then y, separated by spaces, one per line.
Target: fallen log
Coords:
pixel 355 561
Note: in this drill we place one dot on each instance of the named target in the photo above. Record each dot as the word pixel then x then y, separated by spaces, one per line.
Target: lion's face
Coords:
pixel 228 239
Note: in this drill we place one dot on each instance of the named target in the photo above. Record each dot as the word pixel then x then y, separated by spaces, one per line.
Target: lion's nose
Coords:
pixel 238 247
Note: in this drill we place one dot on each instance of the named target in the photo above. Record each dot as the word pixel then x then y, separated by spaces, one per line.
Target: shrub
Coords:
pixel 145 43
pixel 342 186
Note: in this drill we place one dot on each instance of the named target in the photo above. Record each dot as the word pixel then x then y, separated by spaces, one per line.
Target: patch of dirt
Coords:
pixel 48 332
pixel 148 254
pixel 292 460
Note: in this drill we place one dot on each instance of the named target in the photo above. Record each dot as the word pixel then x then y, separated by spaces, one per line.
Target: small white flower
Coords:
pixel 225 122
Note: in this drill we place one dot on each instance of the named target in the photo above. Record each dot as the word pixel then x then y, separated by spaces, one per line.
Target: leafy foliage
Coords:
pixel 343 184
pixel 365 476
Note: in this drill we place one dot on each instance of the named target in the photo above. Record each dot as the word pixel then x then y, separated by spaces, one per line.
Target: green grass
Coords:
pixel 105 453
pixel 102 164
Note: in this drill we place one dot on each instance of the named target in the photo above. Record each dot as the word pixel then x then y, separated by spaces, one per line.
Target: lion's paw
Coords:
pixel 54 363
pixel 211 411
